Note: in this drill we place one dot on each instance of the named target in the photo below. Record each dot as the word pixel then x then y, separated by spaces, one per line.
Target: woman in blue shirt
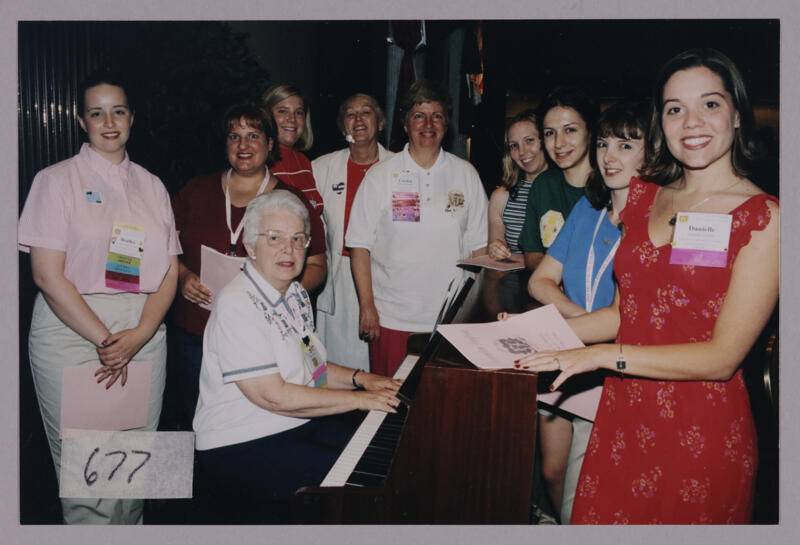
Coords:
pixel 581 259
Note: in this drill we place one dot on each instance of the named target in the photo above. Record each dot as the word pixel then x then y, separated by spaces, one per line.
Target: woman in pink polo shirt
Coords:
pixel 103 247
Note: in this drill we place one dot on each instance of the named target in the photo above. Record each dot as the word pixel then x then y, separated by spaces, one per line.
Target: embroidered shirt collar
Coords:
pixel 270 295
pixel 103 166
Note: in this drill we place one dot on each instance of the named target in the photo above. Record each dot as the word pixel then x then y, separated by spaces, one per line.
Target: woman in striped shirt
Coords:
pixel 523 160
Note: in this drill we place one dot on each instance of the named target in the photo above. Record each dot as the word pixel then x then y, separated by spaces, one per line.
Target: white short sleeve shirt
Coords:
pixel 253 330
pixel 417 223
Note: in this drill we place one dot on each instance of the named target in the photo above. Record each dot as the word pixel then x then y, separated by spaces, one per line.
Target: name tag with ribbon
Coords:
pixel 315 361
pixel 125 257
pixel 701 239
pixel 405 196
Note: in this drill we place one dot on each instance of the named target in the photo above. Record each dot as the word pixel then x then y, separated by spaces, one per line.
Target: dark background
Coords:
pixel 186 73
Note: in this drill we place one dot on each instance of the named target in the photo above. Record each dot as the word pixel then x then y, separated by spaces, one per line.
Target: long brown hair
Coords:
pixel 661 166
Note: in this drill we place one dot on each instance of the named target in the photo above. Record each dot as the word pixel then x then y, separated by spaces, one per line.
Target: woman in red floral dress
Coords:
pixel 674 440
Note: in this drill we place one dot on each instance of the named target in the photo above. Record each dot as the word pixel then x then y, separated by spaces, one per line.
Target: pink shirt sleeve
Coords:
pixel 44 222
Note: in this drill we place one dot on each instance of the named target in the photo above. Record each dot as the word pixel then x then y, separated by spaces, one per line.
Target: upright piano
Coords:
pixel 460 450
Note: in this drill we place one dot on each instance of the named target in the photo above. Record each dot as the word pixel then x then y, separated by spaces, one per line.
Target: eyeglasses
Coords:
pixel 276 239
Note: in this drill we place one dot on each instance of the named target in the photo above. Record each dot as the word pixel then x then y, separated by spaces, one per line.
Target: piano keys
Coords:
pixel 342 471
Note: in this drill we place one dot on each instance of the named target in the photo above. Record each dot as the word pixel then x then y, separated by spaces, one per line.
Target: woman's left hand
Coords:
pixel 569 362
pixel 118 348
pixel 370 381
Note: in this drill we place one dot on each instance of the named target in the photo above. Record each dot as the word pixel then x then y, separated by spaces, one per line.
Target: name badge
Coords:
pixel 94 197
pixel 701 239
pixel 316 363
pixel 405 197
pixel 125 257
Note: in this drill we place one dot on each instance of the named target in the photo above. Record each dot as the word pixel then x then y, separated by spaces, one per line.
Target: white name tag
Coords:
pixel 130 465
pixel 701 239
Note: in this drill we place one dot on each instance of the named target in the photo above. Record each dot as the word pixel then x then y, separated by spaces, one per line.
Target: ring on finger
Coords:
pixel 555 360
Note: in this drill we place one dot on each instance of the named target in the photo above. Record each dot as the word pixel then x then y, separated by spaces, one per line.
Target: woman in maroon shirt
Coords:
pixel 208 211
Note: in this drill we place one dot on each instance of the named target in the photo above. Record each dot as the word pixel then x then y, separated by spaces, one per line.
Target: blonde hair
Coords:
pixel 282 91
pixel 512 174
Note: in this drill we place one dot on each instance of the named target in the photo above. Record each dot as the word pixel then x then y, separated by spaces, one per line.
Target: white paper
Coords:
pixel 496 345
pixel 217 270
pixel 131 464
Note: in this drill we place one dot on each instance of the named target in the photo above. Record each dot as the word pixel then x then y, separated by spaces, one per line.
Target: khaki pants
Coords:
pixel 52 347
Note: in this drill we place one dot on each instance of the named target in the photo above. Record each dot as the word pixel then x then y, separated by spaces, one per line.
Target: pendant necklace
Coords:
pixel 674 217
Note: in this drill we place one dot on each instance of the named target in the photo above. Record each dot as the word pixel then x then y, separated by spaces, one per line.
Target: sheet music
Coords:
pixel 495 345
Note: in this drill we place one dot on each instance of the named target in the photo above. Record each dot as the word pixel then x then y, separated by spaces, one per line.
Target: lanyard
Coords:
pixel 591 285
pixel 235 234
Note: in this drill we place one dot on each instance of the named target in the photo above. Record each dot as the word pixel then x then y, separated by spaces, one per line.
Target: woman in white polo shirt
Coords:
pixel 265 380
pixel 414 216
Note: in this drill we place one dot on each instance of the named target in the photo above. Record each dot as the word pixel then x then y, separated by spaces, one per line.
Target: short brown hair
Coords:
pixel 380 116
pixel 424 90
pixel 255 117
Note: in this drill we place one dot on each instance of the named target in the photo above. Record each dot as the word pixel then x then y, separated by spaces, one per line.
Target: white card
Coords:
pixel 702 231
pixel 131 464
pixel 127 239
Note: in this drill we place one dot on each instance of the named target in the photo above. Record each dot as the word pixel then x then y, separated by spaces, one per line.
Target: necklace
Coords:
pixel 363 167
pixel 674 217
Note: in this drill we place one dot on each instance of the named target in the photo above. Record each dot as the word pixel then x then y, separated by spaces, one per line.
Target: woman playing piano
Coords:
pixel 263 422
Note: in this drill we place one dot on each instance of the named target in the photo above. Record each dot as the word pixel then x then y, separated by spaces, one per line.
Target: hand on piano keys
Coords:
pixel 371 382
pixel 342 471
pixel 377 400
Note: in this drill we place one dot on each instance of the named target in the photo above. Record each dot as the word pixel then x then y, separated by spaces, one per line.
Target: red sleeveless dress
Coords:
pixel 666 452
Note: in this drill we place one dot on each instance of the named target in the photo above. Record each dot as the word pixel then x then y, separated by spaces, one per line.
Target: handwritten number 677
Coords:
pixel 91 476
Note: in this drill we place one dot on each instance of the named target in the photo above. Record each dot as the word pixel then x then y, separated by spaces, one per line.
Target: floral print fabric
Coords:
pixel 660 451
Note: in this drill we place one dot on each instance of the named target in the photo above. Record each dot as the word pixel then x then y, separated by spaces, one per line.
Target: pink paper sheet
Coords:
pixel 217 270
pixel 89 406
pixel 513 263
